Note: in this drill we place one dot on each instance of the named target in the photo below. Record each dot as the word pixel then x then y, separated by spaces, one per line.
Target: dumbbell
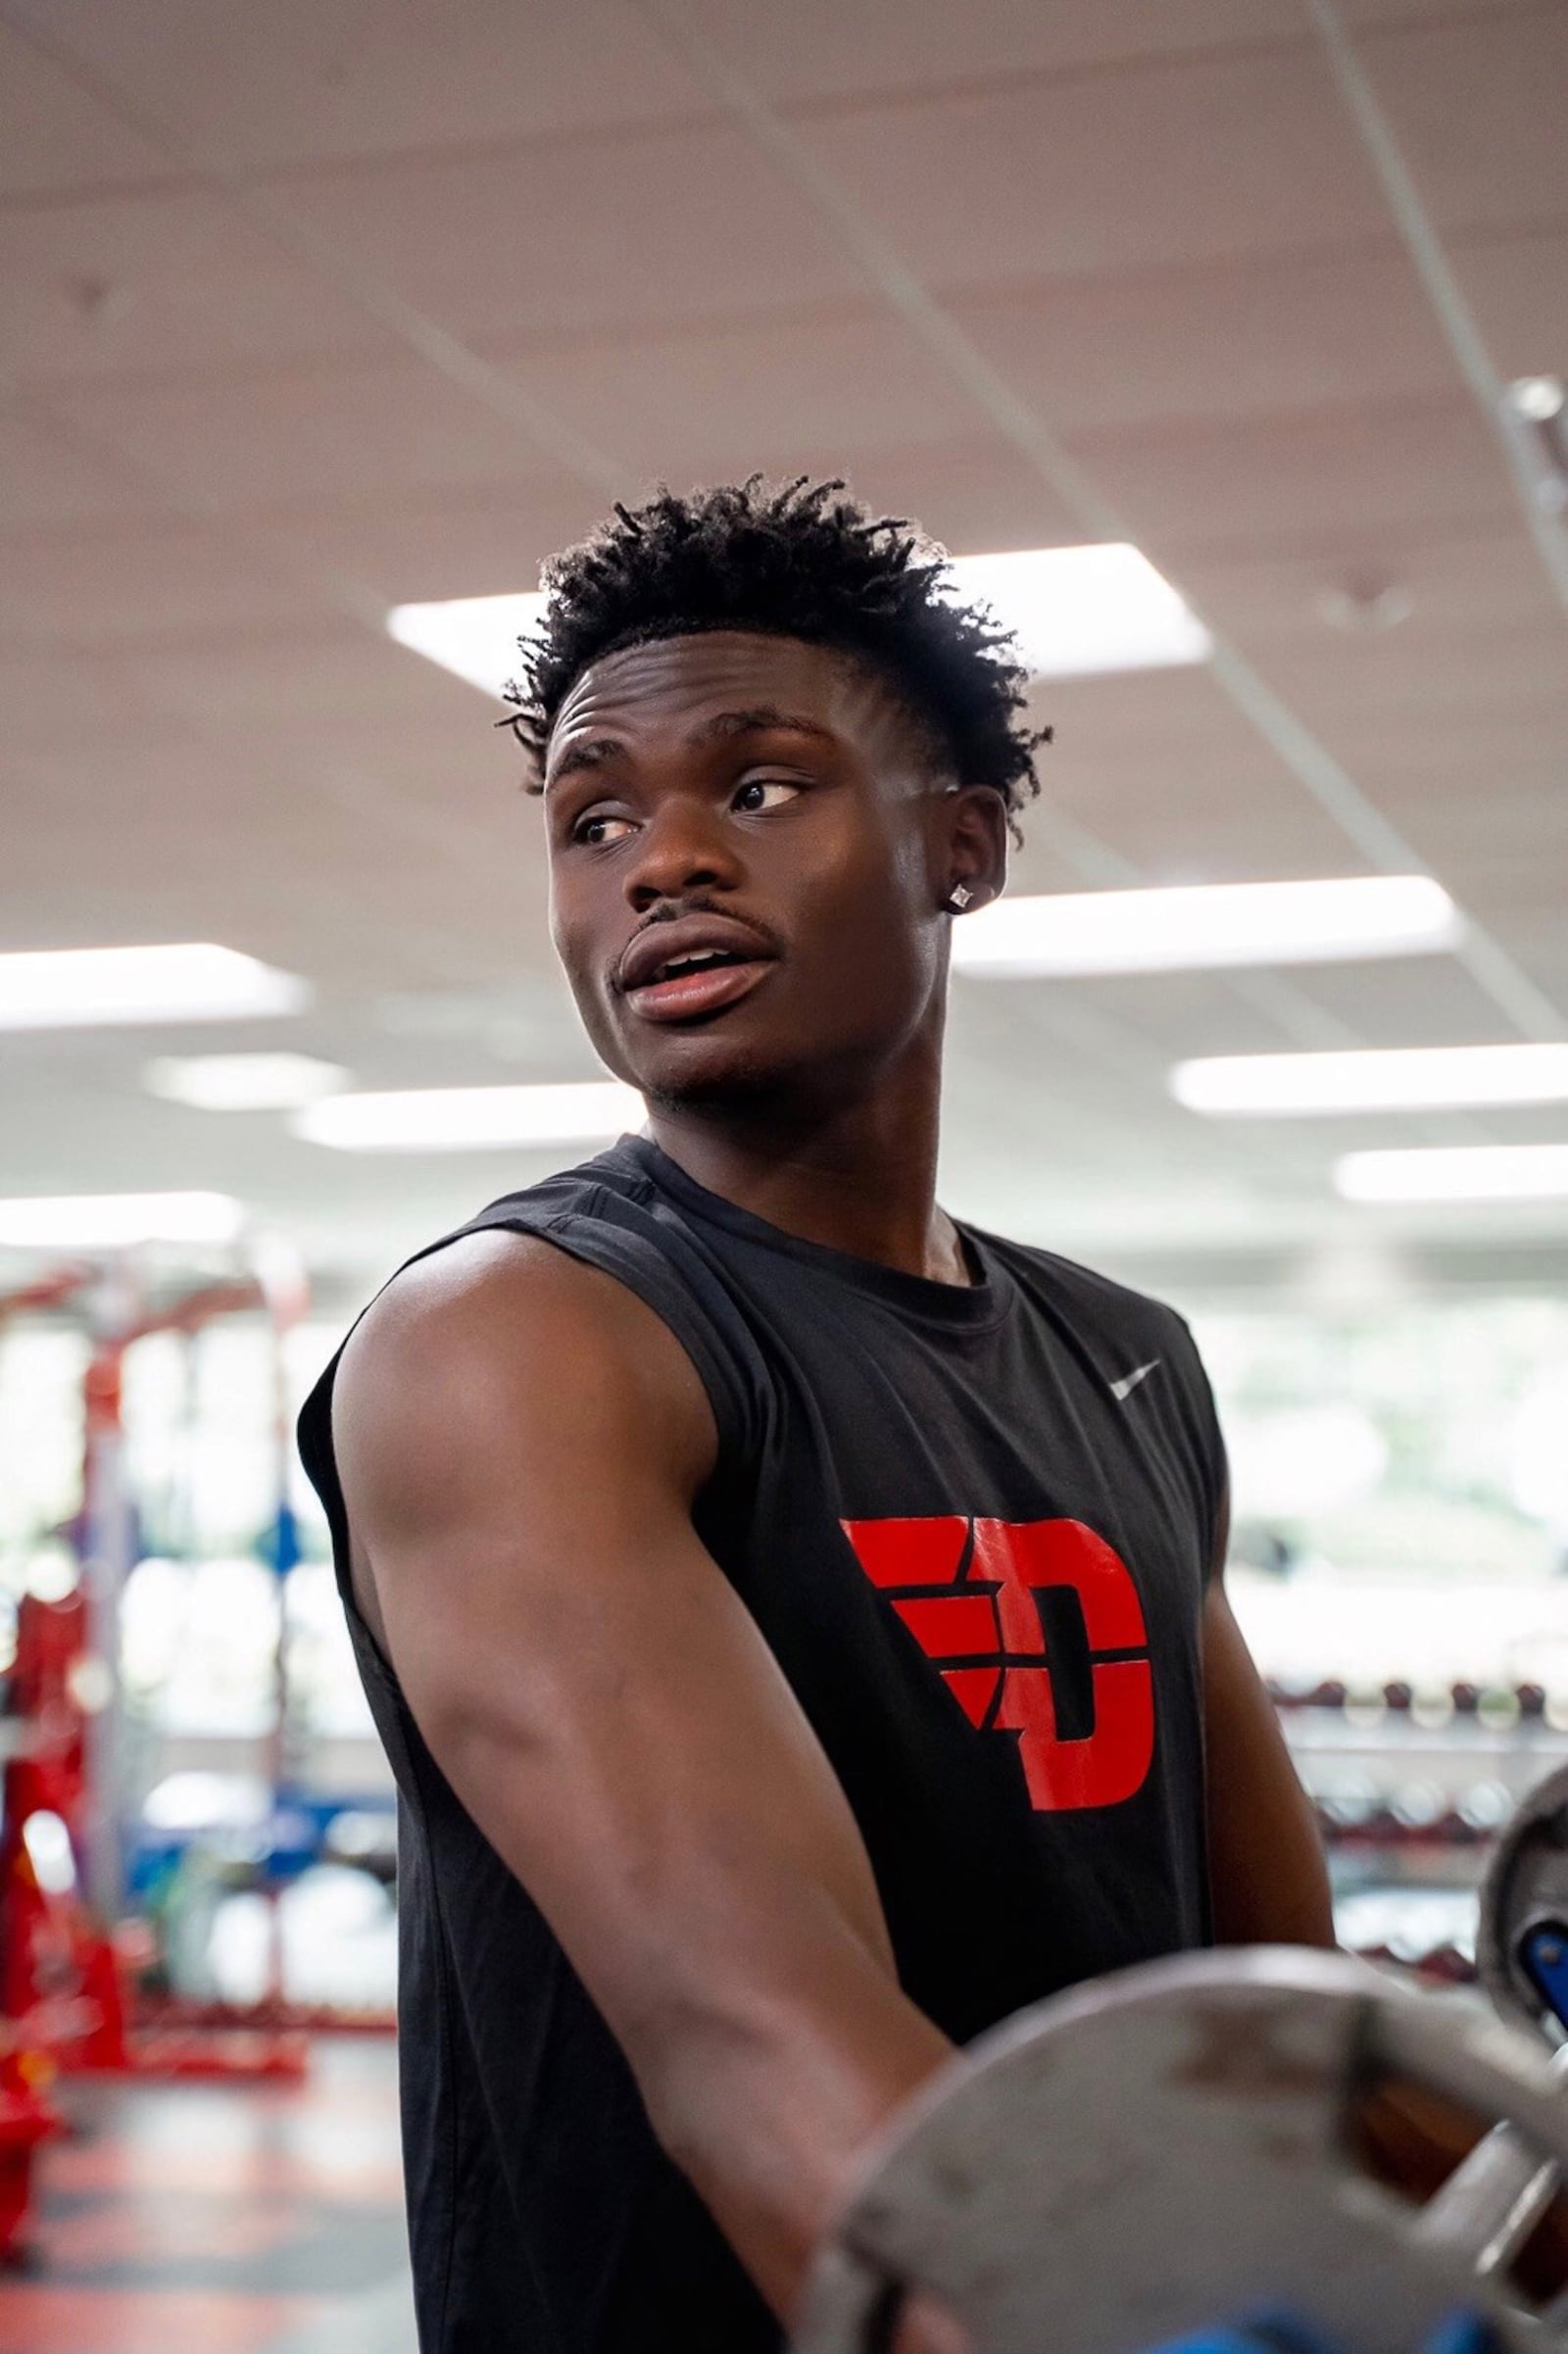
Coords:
pixel 1167 2152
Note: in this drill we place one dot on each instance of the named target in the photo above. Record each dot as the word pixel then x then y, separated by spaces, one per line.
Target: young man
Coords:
pixel 795 1618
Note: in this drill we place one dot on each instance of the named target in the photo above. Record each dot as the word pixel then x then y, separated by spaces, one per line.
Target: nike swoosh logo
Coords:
pixel 1130 1381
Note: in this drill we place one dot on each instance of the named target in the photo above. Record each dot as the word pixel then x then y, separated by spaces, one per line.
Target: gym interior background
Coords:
pixel 325 317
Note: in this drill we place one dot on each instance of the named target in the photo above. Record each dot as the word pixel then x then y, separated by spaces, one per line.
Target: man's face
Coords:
pixel 758 814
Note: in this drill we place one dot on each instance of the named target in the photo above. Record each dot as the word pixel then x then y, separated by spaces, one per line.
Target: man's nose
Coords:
pixel 683 848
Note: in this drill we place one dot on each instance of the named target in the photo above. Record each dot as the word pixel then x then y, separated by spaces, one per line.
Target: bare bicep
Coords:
pixel 581 1669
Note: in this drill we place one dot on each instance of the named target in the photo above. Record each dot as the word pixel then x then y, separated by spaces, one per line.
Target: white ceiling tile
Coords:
pixel 253 88
pixel 543 238
pixel 345 674
pixel 726 400
pixel 1407 1002
pixel 1178 841
pixel 297 436
pixel 1267 483
pixel 1451 586
pixel 1138 714
pixel 1358 12
pixel 1421 752
pixel 427 544
pixel 47 479
pixel 171 281
pixel 55 138
pixel 60 712
pixel 1237 338
pixel 975 495
pixel 80 589
pixel 1516 283
pixel 1470 669
pixel 1197 161
pixel 1476 108
pixel 829 49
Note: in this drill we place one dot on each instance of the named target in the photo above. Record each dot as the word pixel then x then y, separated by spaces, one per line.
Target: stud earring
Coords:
pixel 958 898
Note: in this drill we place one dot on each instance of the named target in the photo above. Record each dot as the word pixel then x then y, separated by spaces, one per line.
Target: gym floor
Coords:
pixel 235 2220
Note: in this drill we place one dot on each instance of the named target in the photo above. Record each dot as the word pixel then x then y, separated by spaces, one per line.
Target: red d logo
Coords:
pixel 981 1626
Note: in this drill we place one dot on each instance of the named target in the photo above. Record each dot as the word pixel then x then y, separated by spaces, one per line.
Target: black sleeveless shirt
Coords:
pixel 975 1527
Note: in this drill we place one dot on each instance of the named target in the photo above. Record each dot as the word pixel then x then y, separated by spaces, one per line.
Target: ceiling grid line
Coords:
pixel 446 353
pixel 1454 317
pixel 1511 990
pixel 461 845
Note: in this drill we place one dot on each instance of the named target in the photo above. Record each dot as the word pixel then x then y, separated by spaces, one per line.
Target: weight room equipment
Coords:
pixel 1168 2158
pixel 1522 1946
pixel 65 2006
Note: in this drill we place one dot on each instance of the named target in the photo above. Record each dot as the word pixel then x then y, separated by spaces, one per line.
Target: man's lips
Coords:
pixel 656 994
pixel 658 946
pixel 709 990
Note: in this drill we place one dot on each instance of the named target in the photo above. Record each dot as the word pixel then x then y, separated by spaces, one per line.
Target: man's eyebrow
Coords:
pixel 594 754
pixel 761 718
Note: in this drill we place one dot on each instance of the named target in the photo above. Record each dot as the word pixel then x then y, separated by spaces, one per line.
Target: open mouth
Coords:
pixel 701 959
pixel 700 981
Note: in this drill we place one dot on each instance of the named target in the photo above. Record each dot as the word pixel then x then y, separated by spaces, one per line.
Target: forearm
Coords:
pixel 1267 1871
pixel 765 2088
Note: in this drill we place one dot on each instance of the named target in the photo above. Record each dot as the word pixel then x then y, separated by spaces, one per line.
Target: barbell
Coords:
pixel 1173 2150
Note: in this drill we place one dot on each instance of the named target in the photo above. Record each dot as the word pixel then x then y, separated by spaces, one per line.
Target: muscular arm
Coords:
pixel 520 1441
pixel 1267 1876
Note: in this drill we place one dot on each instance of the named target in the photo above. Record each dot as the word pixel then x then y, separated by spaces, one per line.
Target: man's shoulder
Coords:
pixel 613 1184
pixel 506 1246
pixel 578 1278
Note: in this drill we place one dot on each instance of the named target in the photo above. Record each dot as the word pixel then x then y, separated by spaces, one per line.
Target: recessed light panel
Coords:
pixel 1455 1173
pixel 243 1082
pixel 188 981
pixel 1079 611
pixel 1212 924
pixel 118 1221
pixel 1406 1079
pixel 476 637
pixel 470 1119
pixel 1073 610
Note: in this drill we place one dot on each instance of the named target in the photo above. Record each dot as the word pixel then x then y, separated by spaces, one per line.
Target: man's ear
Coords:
pixel 976 843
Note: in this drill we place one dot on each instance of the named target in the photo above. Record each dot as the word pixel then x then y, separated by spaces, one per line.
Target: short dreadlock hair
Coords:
pixel 799 560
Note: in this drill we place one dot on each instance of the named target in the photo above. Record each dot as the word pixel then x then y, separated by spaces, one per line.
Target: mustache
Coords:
pixel 684 912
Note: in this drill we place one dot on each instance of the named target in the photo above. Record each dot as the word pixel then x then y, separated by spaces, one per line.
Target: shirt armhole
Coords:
pixel 648 1274
pixel 1212 1462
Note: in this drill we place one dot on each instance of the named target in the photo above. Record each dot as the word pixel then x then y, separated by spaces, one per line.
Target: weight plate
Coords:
pixel 1166 2149
pixel 1525 1891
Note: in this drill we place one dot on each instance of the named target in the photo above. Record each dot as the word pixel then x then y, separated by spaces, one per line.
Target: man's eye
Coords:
pixel 592 830
pixel 751 797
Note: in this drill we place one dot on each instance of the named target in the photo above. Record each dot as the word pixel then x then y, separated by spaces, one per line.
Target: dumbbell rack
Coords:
pixel 1411 1787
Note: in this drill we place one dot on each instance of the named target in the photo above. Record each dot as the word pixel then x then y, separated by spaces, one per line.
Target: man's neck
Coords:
pixel 860 1178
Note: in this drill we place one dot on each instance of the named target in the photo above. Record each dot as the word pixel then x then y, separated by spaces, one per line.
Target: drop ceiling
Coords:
pixel 322 308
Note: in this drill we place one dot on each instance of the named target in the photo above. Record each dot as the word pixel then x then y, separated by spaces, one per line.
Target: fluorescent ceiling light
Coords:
pixel 1074 612
pixel 243 1082
pixel 1455 1173
pixel 465 1119
pixel 114 1221
pixel 193 981
pixel 1407 1079
pixel 1209 924
pixel 474 636
pixel 1079 611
